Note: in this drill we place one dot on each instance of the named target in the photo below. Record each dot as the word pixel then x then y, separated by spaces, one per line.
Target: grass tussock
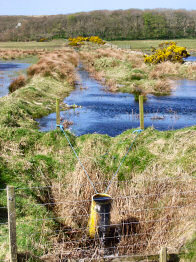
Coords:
pixel 57 64
pixel 162 87
pixel 123 70
pixel 191 71
pixel 165 69
pixel 17 83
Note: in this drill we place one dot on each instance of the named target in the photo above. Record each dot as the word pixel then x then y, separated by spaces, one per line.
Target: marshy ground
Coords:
pixel 154 190
pixel 109 113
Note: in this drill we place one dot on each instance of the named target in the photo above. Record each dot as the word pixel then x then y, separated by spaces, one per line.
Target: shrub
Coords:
pixel 167 51
pixel 80 40
pixel 17 83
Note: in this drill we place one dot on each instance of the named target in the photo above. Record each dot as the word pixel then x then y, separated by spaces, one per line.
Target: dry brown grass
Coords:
pixel 11 54
pixel 146 217
pixel 119 54
pixel 191 71
pixel 162 87
pixel 165 69
pixel 152 210
pixel 117 58
pixel 116 76
pixel 17 83
pixel 67 123
pixel 58 64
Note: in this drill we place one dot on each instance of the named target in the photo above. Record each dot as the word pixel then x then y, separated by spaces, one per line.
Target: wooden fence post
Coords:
pixel 11 205
pixel 57 111
pixel 141 108
pixel 163 255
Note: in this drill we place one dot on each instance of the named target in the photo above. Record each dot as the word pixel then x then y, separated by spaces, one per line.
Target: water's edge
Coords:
pixel 112 113
pixel 8 71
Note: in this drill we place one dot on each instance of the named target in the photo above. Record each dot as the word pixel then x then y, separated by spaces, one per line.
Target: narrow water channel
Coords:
pixel 8 71
pixel 112 113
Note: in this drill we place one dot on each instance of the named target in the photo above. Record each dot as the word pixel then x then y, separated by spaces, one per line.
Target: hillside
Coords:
pixel 110 25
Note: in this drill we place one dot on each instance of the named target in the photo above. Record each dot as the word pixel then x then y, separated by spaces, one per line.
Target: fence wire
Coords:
pixel 105 182
pixel 141 221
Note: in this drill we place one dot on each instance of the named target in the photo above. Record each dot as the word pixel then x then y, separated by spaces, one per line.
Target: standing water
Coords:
pixel 112 113
pixel 8 71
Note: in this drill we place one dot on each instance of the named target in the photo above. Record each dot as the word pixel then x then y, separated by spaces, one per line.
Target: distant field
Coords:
pixel 34 45
pixel 145 45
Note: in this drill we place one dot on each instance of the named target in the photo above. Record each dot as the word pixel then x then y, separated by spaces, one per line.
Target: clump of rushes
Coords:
pixel 167 51
pixel 17 83
pixel 59 65
pixel 80 40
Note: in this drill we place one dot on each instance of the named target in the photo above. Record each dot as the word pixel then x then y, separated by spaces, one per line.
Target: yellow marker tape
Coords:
pixel 100 214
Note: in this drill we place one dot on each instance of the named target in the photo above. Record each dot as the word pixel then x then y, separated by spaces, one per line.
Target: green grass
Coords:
pixel 188 252
pixel 143 45
pixel 35 100
pixel 146 45
pixel 54 44
pixel 30 158
pixel 43 159
pixel 127 72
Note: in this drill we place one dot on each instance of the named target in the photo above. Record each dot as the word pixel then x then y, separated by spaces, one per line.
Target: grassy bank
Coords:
pixel 53 76
pixel 125 71
pixel 48 79
pixel 153 194
pixel 156 174
pixel 36 99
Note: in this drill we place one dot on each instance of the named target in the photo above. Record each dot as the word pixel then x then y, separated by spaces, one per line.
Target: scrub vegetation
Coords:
pixel 168 51
pixel 52 220
pixel 126 71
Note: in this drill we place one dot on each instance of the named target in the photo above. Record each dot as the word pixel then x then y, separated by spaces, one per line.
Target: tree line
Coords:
pixel 110 25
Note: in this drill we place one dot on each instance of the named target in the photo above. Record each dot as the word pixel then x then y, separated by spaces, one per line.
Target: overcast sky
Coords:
pixel 52 7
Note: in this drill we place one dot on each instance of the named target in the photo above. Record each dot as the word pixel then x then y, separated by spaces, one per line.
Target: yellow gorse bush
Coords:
pixel 167 51
pixel 80 40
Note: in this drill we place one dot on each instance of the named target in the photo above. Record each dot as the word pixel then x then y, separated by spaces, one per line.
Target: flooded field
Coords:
pixel 8 71
pixel 112 113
